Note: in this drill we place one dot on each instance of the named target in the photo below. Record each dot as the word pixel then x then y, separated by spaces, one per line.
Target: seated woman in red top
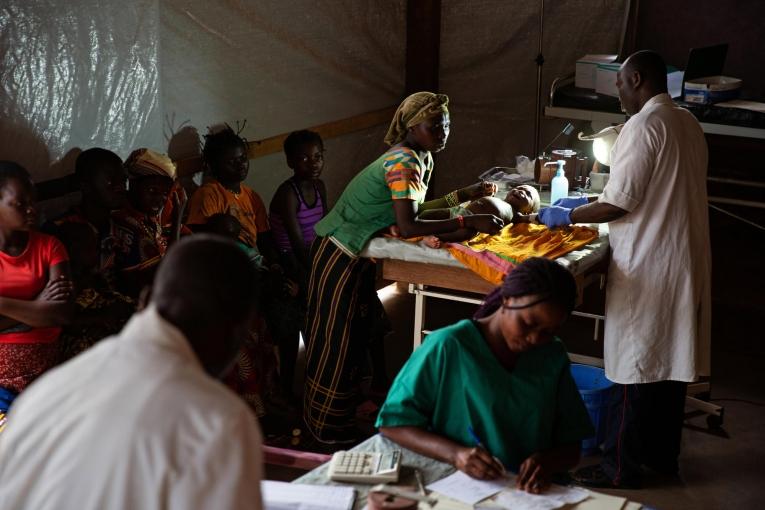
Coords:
pixel 35 288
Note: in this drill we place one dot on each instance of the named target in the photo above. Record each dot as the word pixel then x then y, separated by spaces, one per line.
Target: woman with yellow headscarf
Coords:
pixel 140 238
pixel 343 309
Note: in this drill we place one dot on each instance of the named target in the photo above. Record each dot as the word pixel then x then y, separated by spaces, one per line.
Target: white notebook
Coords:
pixel 297 496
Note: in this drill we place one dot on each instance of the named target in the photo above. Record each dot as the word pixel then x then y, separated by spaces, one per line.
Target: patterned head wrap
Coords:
pixel 144 162
pixel 413 110
pixel 535 276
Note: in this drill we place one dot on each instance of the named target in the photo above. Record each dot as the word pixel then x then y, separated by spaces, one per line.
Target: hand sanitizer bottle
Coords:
pixel 559 186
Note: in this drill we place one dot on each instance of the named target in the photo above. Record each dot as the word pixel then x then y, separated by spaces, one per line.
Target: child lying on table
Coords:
pixel 517 207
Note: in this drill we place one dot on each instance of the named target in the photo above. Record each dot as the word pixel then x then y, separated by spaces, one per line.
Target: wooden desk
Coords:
pixel 433 470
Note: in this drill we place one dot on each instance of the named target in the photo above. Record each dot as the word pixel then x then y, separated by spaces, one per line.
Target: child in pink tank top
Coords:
pixel 298 204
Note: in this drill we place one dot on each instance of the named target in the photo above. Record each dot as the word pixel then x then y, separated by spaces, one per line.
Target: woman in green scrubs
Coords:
pixel 496 392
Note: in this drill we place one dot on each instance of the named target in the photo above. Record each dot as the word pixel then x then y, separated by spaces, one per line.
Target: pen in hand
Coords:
pixel 479 444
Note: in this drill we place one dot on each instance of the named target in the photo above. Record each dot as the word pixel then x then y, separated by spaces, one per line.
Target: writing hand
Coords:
pixel 532 475
pixel 477 463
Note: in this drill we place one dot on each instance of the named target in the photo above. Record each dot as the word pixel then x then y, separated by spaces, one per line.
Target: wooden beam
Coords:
pixel 332 129
pixel 423 44
pixel 273 144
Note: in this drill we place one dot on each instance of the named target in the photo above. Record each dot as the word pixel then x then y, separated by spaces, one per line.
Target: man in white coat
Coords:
pixel 139 420
pixel 657 328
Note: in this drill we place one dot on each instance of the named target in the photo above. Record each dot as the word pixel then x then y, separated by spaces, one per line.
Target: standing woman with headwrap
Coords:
pixel 341 295
pixel 496 392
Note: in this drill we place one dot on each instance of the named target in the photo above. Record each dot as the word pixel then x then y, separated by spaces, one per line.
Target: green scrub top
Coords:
pixel 454 381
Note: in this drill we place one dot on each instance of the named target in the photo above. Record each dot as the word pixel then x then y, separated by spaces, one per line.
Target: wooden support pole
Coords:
pixel 423 43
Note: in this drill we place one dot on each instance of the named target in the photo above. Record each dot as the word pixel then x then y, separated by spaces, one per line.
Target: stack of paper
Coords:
pixel 554 497
pixel 469 491
pixel 461 487
pixel 295 496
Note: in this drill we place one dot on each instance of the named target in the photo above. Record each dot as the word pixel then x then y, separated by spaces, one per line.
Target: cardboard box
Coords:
pixel 712 89
pixel 605 81
pixel 587 67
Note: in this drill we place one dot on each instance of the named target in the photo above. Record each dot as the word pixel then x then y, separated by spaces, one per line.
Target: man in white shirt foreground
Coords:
pixel 657 328
pixel 139 420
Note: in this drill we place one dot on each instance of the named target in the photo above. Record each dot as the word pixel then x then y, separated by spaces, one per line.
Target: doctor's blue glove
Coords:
pixel 555 216
pixel 571 202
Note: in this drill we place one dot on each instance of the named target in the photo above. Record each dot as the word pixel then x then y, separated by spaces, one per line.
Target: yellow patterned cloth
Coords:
pixel 493 256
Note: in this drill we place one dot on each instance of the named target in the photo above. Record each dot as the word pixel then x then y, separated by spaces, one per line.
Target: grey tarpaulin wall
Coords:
pixel 125 74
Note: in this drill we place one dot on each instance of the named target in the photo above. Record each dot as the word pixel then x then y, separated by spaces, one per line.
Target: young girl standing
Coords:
pixel 299 202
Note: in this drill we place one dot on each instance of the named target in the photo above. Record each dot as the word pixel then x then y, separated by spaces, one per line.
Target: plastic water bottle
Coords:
pixel 559 186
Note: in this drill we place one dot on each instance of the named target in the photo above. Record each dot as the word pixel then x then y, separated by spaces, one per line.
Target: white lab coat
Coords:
pixel 658 301
pixel 133 423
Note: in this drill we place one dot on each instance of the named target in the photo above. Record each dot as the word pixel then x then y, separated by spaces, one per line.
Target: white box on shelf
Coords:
pixel 606 80
pixel 587 67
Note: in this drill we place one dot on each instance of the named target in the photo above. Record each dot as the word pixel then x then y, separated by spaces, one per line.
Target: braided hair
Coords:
pixel 535 276
pixel 216 143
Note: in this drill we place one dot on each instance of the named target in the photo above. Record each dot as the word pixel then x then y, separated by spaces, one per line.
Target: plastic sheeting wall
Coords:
pixel 77 75
pixel 155 73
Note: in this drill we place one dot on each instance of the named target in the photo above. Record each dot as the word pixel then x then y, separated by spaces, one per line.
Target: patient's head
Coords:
pixel 524 199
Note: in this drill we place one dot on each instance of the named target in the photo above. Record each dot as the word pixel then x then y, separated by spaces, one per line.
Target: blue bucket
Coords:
pixel 599 397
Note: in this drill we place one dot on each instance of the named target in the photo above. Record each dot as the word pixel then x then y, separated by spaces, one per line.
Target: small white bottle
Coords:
pixel 559 186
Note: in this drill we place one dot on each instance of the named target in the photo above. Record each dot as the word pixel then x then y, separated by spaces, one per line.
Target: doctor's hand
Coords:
pixel 486 223
pixel 571 202
pixel 555 216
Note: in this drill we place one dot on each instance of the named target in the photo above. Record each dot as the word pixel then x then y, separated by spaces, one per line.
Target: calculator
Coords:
pixel 365 467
